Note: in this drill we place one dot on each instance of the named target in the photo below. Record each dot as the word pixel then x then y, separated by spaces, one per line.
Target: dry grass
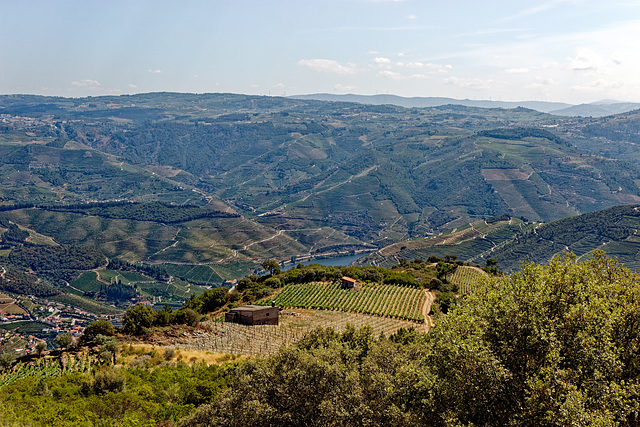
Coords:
pixel 189 356
pixel 305 319
pixel 11 308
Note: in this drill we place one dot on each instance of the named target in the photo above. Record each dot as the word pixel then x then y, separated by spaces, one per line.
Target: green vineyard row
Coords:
pixel 466 278
pixel 46 368
pixel 380 300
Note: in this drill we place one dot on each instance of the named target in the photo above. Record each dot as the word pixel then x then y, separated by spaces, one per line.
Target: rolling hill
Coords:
pixel 302 177
pixel 422 102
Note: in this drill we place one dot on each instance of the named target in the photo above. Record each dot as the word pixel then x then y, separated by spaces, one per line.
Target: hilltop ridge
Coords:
pixel 594 109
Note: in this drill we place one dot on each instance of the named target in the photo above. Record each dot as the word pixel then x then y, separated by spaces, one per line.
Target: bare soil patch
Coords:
pixel 505 175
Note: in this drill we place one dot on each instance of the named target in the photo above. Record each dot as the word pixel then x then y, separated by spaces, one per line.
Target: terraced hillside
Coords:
pixel 472 243
pixel 614 230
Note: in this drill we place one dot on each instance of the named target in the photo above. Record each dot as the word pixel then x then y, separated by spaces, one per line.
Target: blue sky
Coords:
pixel 558 50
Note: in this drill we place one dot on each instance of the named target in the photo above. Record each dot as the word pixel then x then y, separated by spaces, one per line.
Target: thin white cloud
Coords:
pixel 516 70
pixel 156 71
pixel 328 66
pixel 541 83
pixel 392 75
pixel 344 88
pixel 417 65
pixel 86 83
pixel 382 61
pixel 398 28
pixel 547 65
pixel 539 8
pixel 597 86
pixel 588 60
pixel 488 32
pixel 472 83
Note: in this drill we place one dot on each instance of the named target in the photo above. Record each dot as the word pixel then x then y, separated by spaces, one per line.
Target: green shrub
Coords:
pixel 108 380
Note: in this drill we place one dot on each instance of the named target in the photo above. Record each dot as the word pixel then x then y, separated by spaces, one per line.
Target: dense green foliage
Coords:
pixel 517 133
pixel 59 263
pixel 13 235
pixel 99 327
pixel 140 395
pixel 64 340
pixel 139 319
pixel 209 301
pixel 153 211
pixel 23 283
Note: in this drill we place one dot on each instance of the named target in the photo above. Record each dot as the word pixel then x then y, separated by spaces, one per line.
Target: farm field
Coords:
pixel 86 304
pixel 175 292
pixel 264 340
pixel 466 277
pixel 171 293
pixel 200 274
pixel 380 300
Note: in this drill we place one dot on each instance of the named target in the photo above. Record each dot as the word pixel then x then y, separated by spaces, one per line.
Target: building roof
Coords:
pixel 348 279
pixel 251 308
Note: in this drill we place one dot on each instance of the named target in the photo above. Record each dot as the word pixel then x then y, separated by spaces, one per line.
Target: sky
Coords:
pixel 573 51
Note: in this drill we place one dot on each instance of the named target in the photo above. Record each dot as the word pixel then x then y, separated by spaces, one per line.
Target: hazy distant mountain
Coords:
pixel 597 109
pixel 420 102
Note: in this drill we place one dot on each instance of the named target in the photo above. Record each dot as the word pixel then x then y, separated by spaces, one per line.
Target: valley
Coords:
pixel 188 191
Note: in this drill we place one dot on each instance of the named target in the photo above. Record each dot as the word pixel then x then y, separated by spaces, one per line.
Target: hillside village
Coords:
pixel 43 323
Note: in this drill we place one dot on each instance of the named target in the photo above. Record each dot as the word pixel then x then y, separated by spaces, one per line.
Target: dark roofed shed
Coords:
pixel 253 315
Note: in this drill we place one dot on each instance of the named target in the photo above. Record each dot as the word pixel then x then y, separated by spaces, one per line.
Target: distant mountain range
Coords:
pixel 596 109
